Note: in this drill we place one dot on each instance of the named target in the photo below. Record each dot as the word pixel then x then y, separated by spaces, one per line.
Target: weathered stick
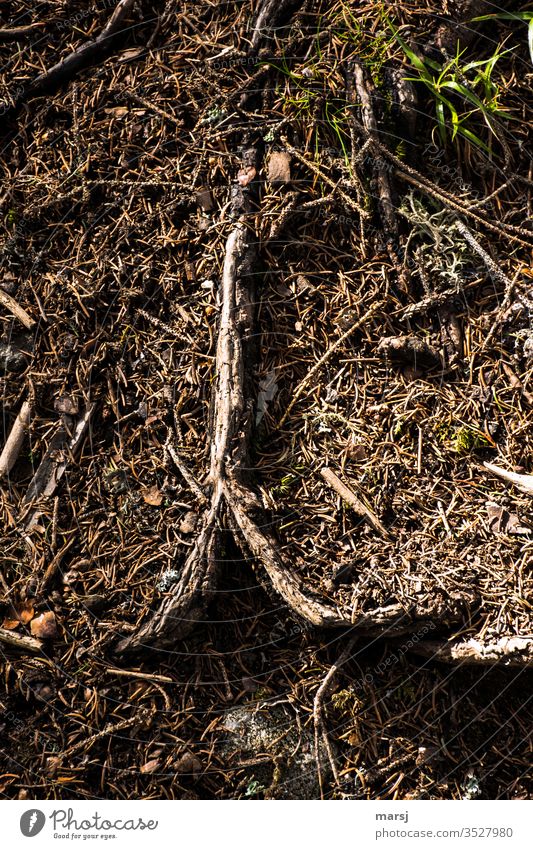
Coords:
pixel 11 450
pixel 16 310
pixel 359 506
pixel 15 33
pixel 523 482
pixel 20 641
pixel 318 715
pixel 53 465
pixel 188 599
pixel 368 118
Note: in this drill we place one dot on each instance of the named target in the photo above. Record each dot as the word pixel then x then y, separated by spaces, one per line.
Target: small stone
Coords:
pixel 66 404
pixel 44 626
pixel 279 168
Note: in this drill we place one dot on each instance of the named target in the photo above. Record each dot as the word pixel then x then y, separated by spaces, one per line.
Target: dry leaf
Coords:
pixel 131 53
pixel 150 766
pixel 189 765
pixel 204 199
pixel 44 626
pixel 189 522
pixel 22 612
pixel 152 496
pixel 117 111
pixel 501 521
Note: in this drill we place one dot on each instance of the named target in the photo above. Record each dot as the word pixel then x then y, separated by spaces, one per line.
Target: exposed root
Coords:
pixel 509 651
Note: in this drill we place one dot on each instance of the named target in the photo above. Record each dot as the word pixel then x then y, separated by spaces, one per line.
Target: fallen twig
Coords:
pixel 318 715
pixel 368 118
pixel 359 506
pixel 11 450
pixel 15 33
pixel 508 651
pixel 20 641
pixel 523 482
pixel 16 310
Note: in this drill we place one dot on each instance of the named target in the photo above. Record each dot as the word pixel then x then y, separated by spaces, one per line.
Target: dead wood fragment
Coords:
pixel 359 506
pixel 523 482
pixel 408 350
pixel 83 57
pixel 318 715
pixel 508 651
pixel 60 452
pixel 11 450
pixel 188 599
pixel 268 14
pixel 20 641
pixel 14 33
pixel 387 207
pixel 10 303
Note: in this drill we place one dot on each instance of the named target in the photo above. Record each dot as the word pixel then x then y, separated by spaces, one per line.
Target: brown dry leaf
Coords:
pixel 279 167
pixel 189 522
pixel 117 111
pixel 152 496
pixel 204 199
pixel 44 626
pixel 131 53
pixel 150 766
pixel 503 522
pixel 21 612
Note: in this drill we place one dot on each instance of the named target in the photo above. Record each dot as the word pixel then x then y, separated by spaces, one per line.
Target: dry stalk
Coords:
pixel 359 506
pixel 329 353
pixel 11 450
pixel 523 482
pixel 15 309
pixel 318 715
pixel 20 641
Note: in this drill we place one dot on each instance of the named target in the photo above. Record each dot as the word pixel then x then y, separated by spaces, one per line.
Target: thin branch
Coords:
pixel 329 353
pixel 359 506
pixel 11 450
pixel 15 309
pixel 20 641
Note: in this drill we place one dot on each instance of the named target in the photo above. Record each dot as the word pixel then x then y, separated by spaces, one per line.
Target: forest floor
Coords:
pixel 266 310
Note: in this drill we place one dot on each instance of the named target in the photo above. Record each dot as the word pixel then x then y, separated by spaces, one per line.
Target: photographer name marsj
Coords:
pixel 67 827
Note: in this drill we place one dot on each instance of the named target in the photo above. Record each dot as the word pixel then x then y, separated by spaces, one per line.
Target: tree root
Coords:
pixel 230 490
pixel 508 651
